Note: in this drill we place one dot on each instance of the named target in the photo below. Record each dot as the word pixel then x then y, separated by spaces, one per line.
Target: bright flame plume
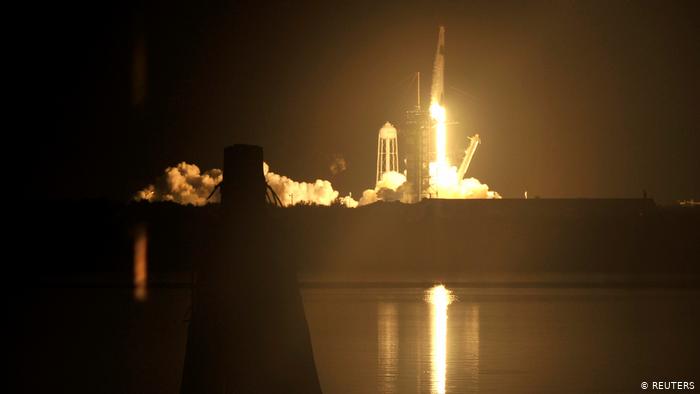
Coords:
pixel 445 179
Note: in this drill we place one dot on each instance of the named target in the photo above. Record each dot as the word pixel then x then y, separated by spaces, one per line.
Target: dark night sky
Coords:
pixel 571 98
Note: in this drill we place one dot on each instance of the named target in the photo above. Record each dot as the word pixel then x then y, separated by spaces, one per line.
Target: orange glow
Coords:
pixel 141 263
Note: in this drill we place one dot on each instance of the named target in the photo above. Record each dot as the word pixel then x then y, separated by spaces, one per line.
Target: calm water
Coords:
pixel 523 340
pixel 99 340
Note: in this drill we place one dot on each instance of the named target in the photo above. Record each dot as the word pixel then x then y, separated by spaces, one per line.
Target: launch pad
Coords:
pixel 428 171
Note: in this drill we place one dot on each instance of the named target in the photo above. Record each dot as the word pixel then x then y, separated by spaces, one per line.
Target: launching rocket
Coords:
pixel 437 108
pixel 437 91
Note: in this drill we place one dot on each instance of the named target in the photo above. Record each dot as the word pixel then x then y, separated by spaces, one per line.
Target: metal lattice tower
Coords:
pixel 387 150
pixel 416 137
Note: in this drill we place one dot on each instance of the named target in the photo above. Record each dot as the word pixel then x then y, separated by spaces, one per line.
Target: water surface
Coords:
pixel 496 340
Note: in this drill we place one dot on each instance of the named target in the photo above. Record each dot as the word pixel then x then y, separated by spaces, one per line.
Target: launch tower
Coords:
pixel 421 130
pixel 416 141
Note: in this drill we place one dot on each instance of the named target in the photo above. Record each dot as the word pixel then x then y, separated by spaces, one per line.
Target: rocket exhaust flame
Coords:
pixel 438 114
pixel 446 180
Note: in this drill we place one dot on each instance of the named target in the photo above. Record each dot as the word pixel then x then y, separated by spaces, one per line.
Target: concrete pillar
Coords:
pixel 244 182
pixel 248 332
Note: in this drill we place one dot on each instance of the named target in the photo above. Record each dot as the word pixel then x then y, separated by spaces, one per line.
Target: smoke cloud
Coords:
pixel 467 188
pixel 389 188
pixel 186 185
pixel 291 192
pixel 445 183
pixel 183 184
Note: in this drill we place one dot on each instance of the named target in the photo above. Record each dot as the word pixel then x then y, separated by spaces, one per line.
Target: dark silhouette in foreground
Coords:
pixel 248 332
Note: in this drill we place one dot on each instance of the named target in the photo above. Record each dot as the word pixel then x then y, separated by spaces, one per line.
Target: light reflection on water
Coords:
pixel 439 298
pixel 465 342
pixel 381 340
pixel 387 346
pixel 140 263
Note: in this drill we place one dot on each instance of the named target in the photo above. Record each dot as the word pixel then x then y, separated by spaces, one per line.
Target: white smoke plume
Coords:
pixel 391 180
pixel 291 192
pixel 389 188
pixel 348 201
pixel 467 188
pixel 393 187
pixel 369 196
pixel 444 183
pixel 183 184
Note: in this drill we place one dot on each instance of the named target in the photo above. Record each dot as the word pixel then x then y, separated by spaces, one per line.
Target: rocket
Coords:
pixel 437 90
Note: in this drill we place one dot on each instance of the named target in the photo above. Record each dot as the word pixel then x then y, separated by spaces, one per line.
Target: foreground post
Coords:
pixel 248 332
